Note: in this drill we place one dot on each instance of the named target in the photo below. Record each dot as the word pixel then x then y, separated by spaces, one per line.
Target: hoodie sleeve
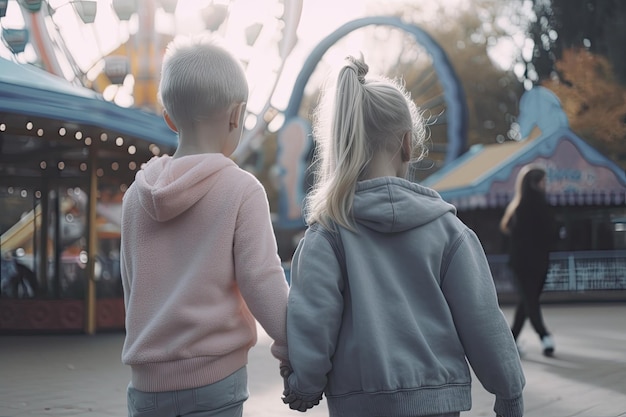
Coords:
pixel 259 272
pixel 489 345
pixel 313 314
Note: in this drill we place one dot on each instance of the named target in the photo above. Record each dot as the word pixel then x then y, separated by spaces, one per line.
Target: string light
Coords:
pixel 154 149
pixel 69 131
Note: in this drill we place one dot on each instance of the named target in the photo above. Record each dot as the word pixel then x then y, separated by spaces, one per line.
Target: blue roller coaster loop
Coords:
pixel 454 96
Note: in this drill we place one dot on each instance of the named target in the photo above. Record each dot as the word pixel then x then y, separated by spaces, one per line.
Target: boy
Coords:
pixel 199 256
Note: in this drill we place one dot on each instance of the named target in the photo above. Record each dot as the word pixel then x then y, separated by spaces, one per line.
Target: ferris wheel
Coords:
pixel 117 45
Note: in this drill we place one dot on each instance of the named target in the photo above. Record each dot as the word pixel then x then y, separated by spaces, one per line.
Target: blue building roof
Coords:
pixel 577 174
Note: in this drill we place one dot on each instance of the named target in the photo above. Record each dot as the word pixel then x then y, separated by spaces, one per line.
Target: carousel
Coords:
pixel 67 156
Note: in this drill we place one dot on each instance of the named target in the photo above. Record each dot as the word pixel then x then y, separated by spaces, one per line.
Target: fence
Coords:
pixel 570 272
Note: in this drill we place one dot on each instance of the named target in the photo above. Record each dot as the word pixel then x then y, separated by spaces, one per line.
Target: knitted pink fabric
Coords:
pixel 199 265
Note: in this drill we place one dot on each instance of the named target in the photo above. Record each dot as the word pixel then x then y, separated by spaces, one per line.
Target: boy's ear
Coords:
pixel 169 121
pixel 406 147
pixel 236 115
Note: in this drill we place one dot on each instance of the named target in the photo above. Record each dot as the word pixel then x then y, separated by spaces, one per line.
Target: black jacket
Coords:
pixel 533 235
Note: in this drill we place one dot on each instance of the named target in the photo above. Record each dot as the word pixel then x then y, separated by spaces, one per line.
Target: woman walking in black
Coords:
pixel 529 223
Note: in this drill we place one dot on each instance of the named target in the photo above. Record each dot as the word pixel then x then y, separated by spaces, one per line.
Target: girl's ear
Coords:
pixel 169 122
pixel 407 146
pixel 236 115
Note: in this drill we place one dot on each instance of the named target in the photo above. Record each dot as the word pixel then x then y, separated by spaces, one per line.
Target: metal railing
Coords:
pixel 570 271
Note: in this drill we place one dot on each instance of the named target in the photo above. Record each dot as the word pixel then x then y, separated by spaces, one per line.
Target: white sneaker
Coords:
pixel 548 345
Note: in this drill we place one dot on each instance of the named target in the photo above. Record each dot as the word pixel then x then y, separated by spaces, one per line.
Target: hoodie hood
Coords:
pixel 169 186
pixel 391 204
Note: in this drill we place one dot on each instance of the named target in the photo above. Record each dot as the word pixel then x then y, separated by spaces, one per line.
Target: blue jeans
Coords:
pixel 224 398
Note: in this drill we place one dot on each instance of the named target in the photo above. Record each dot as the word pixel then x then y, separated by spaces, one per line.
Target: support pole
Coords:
pixel 90 293
pixel 42 244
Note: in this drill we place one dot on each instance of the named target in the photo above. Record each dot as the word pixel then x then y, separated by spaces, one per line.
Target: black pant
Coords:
pixel 529 288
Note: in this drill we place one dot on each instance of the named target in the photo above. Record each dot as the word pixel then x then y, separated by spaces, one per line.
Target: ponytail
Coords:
pixel 355 119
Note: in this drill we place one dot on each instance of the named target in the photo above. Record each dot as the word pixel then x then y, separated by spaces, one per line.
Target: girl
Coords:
pixel 390 292
pixel 532 230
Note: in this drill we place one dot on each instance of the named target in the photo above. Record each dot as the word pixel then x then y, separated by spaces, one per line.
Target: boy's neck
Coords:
pixel 186 149
pixel 208 138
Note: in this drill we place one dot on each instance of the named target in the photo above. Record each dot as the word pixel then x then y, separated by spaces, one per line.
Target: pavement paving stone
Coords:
pixel 79 375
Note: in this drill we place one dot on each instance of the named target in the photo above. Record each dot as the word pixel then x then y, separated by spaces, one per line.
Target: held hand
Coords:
pixel 296 403
pixel 289 397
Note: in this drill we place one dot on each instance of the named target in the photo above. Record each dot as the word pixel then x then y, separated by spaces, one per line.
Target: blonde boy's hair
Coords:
pixel 199 78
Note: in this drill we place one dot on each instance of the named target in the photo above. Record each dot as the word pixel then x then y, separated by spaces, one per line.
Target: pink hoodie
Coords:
pixel 199 264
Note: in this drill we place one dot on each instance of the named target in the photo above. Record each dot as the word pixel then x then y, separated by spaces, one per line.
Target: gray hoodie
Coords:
pixel 392 338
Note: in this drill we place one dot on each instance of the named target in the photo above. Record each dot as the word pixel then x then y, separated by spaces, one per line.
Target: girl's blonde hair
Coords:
pixel 356 118
pixel 198 78
pixel 527 180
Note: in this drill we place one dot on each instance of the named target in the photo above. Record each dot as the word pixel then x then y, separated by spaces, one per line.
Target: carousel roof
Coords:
pixel 31 91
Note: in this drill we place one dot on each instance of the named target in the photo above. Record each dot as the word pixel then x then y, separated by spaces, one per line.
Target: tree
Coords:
pixel 578 53
pixel 596 25
pixel 594 101
pixel 468 34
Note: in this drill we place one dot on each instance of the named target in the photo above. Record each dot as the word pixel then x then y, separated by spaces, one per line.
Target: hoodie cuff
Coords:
pixel 509 407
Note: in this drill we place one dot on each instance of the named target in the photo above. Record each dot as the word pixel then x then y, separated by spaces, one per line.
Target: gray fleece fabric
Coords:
pixel 395 336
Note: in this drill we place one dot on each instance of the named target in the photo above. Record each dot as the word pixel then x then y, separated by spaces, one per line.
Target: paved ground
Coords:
pixel 82 375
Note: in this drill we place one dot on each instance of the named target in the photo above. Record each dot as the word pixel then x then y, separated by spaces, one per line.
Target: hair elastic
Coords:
pixel 361 68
